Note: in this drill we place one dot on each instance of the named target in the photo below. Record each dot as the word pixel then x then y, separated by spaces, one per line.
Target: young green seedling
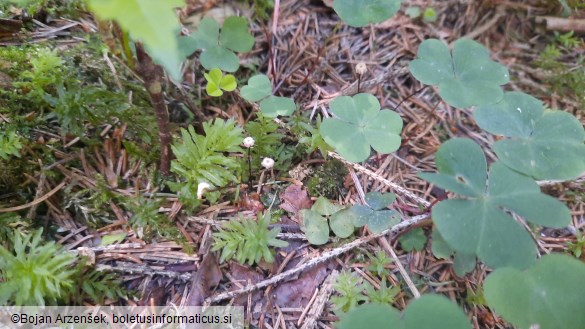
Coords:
pixel 465 77
pixel 218 48
pixel 259 89
pixel 216 82
pixel 477 223
pixel 363 12
pixel 358 125
pixel 542 144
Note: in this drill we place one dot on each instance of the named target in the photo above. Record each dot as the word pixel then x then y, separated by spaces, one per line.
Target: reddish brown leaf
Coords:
pixel 294 199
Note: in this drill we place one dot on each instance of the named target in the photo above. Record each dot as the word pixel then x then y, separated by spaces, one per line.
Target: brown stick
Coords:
pixel 562 24
pixel 152 75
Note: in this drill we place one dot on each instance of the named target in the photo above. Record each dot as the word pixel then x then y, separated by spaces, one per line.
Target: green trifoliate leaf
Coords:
pixel 466 77
pixel 259 88
pixel 154 23
pixel 216 81
pixel 478 224
pixel 358 125
pixel 363 12
pixel 426 312
pixel 371 215
pixel 548 295
pixel 542 144
pixel 217 46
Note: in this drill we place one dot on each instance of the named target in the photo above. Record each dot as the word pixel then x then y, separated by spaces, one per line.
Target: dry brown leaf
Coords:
pixel 294 199
pixel 207 277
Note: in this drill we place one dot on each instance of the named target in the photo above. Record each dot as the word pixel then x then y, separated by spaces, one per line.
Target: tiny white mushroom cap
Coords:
pixel 268 163
pixel 361 68
pixel 201 188
pixel 249 142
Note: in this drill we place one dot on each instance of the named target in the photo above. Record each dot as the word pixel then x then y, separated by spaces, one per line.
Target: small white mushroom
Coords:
pixel 361 68
pixel 249 142
pixel 267 163
pixel 201 188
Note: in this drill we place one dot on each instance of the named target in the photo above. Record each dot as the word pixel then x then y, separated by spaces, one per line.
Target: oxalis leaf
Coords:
pixel 216 81
pixel 363 12
pixel 426 312
pixel 259 88
pixel 542 144
pixel 466 77
pixel 359 124
pixel 323 213
pixel 152 22
pixel 462 263
pixel 478 225
pixel 372 214
pixel 549 294
pixel 217 46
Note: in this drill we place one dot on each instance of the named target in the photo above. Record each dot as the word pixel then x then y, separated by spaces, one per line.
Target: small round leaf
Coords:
pixel 315 227
pixel 341 223
pixel 220 57
pixel 273 106
pixel 258 88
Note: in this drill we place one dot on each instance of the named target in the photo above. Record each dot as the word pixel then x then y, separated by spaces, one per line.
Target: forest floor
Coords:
pixel 82 195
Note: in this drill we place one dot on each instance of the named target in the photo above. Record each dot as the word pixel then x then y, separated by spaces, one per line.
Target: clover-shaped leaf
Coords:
pixel 548 295
pixel 315 221
pixel 426 312
pixel 479 224
pixel 216 81
pixel 372 214
pixel 359 123
pixel 259 88
pixel 217 46
pixel 465 78
pixel 363 12
pixel 542 144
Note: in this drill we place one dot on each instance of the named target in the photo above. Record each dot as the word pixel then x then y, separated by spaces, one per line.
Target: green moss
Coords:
pixel 327 180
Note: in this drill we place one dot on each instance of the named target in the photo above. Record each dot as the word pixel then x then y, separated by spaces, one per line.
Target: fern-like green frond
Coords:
pixel 203 158
pixel 247 240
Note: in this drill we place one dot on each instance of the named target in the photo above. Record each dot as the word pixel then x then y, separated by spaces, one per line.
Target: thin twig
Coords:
pixel 388 248
pixel 314 261
pixel 381 179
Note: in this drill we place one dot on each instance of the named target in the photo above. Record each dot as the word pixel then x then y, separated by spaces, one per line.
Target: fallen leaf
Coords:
pixel 294 199
pixel 207 277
